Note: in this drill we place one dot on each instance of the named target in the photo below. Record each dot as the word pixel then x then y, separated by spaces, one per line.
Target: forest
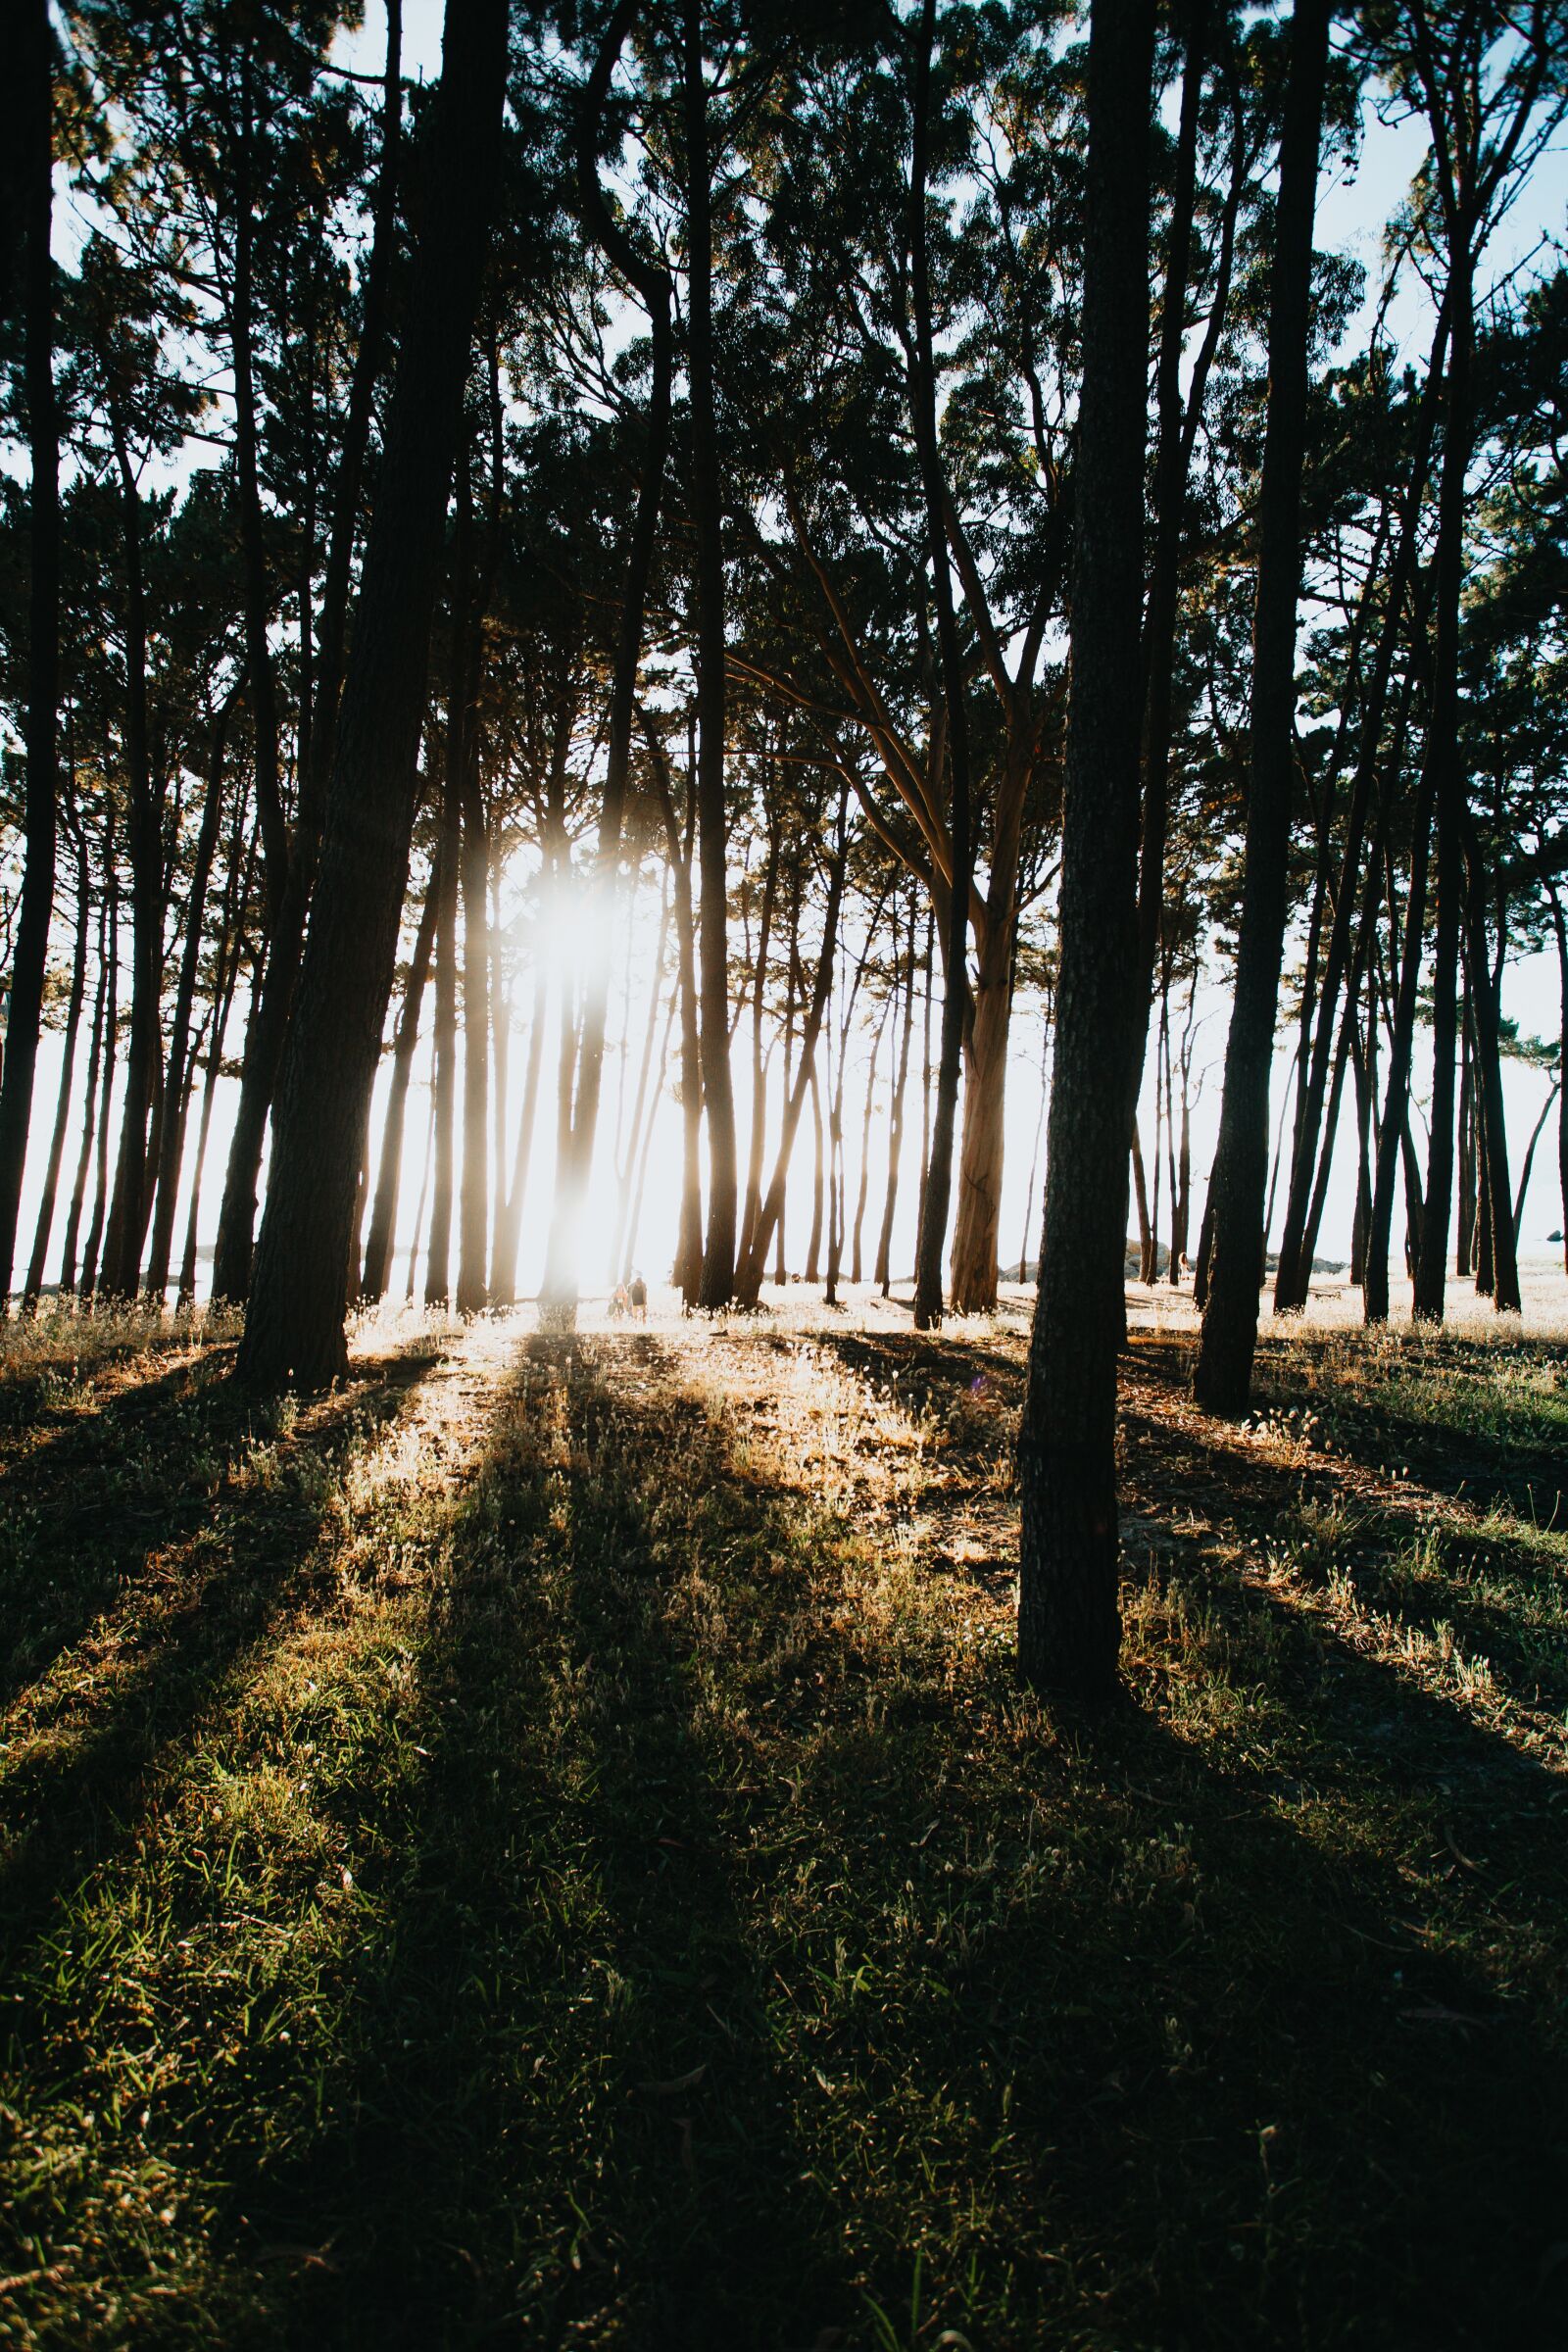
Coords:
pixel 783 1173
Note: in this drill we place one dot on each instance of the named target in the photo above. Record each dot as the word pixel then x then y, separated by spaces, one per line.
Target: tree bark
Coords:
pixel 377 1274
pixel 67 1066
pixel 882 1275
pixel 172 1137
pixel 936 1197
pixel 1443 760
pixel 1224 1371
pixel 30 47
pixel 294 1328
pixel 1068 1618
pixel 724 1184
pixel 130 1202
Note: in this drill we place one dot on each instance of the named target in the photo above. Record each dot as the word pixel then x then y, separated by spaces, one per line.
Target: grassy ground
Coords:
pixel 544 1846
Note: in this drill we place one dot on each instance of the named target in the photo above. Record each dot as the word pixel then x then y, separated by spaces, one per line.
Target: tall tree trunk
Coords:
pixel 1293 1276
pixel 688 1268
pixel 30 47
pixel 1442 758
pixel 105 1099
pixel 292 867
pixel 130 1200
pixel 444 1075
pixel 177 1094
pixel 923 412
pixel 1559 925
pixel 753 1200
pixel 1491 1109
pixel 89 1107
pixel 883 1274
pixel 1468 1137
pixel 813 1246
pixel 865 1185
pixel 1068 1621
pixel 377 1274
pixel 749 1276
pixel 1141 1196
pixel 294 1329
pixel 1529 1159
pixel 1394 1130
pixel 627 1170
pixel 68 1068
pixel 509 1222
pixel 723 1186
pixel 1169 494
pixel 1224 1371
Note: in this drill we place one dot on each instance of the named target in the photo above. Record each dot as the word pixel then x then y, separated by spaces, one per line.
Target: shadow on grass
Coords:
pixel 165 1574
pixel 1486 1580
pixel 751 1957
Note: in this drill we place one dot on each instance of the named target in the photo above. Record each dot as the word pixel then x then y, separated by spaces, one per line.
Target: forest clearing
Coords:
pixel 546 1845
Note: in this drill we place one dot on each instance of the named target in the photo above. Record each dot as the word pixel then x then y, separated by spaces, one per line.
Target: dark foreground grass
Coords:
pixel 546 1847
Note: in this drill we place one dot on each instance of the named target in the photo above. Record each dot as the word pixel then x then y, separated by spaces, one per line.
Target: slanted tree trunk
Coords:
pixel 29 55
pixel 1529 1159
pixel 1224 1371
pixel 1141 1195
pixel 377 1273
pixel 294 1329
pixel 1068 1622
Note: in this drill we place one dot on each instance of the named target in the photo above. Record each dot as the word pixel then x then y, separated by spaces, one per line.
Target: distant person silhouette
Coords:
pixel 639 1298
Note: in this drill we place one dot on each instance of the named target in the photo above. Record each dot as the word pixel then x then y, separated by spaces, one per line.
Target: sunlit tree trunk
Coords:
pixel 89 1107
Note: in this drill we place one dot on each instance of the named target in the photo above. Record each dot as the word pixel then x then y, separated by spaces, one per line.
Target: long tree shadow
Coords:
pixel 168 1600
pixel 747 1948
pixel 564 2116
pixel 1491 1581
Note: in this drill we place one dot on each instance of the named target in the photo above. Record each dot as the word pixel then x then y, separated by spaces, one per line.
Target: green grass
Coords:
pixel 546 1846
